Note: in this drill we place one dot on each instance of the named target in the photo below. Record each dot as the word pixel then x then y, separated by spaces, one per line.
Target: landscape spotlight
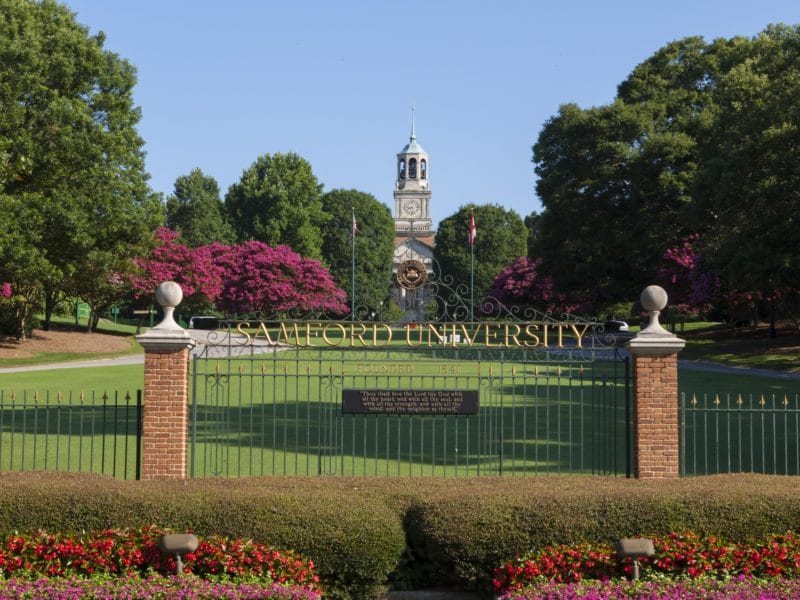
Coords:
pixel 177 544
pixel 635 548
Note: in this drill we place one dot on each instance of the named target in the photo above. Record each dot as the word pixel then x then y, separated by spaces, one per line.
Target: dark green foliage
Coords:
pixel 74 201
pixel 702 138
pixel 374 245
pixel 196 211
pixel 278 200
pixel 501 237
pixel 362 533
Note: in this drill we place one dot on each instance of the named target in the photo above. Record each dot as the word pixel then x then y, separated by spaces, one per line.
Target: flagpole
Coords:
pixel 472 266
pixel 353 267
pixel 472 283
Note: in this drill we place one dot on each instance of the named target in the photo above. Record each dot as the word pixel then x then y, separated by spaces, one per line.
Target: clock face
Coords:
pixel 411 208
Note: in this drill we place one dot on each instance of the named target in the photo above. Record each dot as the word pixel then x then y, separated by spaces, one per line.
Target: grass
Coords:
pixel 536 416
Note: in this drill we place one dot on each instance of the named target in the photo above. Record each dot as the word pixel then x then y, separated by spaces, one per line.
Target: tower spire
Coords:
pixel 413 132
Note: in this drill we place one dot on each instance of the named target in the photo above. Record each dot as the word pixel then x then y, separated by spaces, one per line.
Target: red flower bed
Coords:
pixel 678 554
pixel 132 552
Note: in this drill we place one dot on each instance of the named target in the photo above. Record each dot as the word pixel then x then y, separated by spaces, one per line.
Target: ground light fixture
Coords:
pixel 635 548
pixel 178 544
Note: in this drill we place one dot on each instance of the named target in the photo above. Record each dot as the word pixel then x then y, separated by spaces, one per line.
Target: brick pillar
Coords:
pixel 655 371
pixel 166 392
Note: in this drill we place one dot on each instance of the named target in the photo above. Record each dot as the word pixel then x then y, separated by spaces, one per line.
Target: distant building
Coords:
pixel 414 234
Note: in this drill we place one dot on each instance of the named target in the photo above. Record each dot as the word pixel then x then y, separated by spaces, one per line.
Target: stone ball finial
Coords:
pixel 654 297
pixel 169 293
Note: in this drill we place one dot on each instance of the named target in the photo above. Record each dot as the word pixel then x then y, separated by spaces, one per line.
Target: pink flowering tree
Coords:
pixel 196 270
pixel 262 279
pixel 522 285
pixel 248 278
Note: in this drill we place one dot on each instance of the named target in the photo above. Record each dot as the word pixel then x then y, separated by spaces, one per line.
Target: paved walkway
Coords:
pixel 222 350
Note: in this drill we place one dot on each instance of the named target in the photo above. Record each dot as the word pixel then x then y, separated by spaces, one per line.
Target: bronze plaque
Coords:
pixel 410 402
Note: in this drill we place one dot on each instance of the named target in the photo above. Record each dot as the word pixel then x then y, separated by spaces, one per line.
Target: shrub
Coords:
pixel 363 532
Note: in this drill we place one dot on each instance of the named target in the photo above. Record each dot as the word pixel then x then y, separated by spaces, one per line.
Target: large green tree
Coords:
pixel 501 237
pixel 702 138
pixel 278 200
pixel 195 210
pixel 70 149
pixel 374 245
pixel 748 191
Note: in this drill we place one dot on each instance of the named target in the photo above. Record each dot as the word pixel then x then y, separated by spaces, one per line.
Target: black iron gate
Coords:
pixel 553 396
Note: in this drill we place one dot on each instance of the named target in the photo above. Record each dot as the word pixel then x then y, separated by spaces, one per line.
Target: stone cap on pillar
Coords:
pixel 167 335
pixel 654 339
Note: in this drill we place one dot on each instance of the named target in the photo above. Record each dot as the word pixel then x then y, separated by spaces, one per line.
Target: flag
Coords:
pixel 471 229
pixel 354 227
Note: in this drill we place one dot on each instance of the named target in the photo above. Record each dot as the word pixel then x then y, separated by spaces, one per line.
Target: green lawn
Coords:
pixel 281 414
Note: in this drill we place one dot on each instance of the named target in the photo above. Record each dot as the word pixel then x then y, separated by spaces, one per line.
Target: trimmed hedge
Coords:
pixel 363 533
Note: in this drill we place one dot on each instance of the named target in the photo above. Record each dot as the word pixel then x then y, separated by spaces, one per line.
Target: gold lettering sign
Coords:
pixel 357 334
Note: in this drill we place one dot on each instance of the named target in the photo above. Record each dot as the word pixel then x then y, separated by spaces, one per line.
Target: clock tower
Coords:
pixel 414 235
pixel 412 193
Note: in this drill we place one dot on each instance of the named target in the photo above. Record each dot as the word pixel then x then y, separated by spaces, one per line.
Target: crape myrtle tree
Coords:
pixel 73 181
pixel 195 210
pixel 374 245
pixel 247 278
pixel 701 139
pixel 264 280
pixel 501 238
pixel 278 200
pixel 522 286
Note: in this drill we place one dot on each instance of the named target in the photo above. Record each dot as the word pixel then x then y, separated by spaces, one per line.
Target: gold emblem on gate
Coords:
pixel 412 274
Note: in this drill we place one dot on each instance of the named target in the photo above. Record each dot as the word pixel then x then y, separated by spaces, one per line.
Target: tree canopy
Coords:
pixel 374 245
pixel 195 210
pixel 73 186
pixel 278 200
pixel 252 277
pixel 501 237
pixel 701 139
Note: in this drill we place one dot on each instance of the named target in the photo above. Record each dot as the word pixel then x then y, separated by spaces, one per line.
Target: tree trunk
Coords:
pixel 50 301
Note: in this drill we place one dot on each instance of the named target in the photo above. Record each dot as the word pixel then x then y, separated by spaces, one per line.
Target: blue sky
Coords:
pixel 221 83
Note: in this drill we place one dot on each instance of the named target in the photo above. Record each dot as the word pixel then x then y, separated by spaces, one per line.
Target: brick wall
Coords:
pixel 166 422
pixel 656 447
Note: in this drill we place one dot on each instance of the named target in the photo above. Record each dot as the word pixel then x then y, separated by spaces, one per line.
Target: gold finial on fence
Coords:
pixel 36 396
pixel 82 396
pixel 693 401
pixel 558 371
pixel 536 371
pixel 716 399
pixel 739 400
pixel 762 402
pixel 491 370
pixel 513 371
pixel 580 371
pixel 58 396
pixel 13 396
pixel 785 401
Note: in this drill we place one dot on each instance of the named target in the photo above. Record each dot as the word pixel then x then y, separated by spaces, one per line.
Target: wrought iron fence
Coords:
pixel 281 413
pixel 735 433
pixel 53 431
